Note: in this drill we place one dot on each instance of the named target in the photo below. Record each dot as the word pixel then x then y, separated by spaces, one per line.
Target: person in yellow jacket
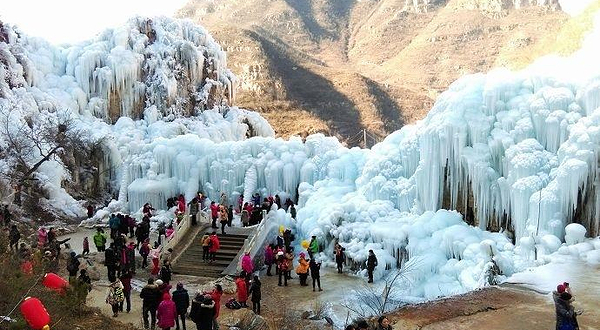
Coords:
pixel 302 269
pixel 205 247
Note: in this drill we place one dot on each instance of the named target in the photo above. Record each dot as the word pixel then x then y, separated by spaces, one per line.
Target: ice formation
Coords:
pixel 520 149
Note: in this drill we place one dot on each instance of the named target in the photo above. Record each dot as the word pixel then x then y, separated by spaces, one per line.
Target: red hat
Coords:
pixel 560 288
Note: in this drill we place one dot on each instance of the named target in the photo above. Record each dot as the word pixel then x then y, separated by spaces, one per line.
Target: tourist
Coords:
pixel 313 247
pixel 165 272
pixel 216 295
pixel 84 286
pixel 131 224
pixel 278 201
pixel 111 261
pixel 166 313
pixel 90 211
pixel 150 299
pixel 289 255
pixel 126 281
pixel 147 210
pixel 205 246
pixel 256 200
pixel 288 204
pixel 282 266
pixel 6 216
pixel 223 218
pixel 224 201
pixel 240 201
pixel 241 289
pixel 128 258
pixel 115 296
pixel 42 238
pixel 194 208
pixel 181 299
pixel 269 258
pixel 302 269
pixel 246 263
pixel 566 316
pixel 181 203
pixel 166 256
pixel 14 236
pixel 340 257
pixel 245 218
pixel 203 312
pixel 214 246
pixel 256 294
pixel 51 235
pixel 144 252
pixel 293 212
pixel 86 247
pixel 229 215
pixel 73 267
pixel 371 264
pixel 100 240
pixel 214 212
pixel 162 231
pixel 155 257
pixel 383 323
pixel 315 273
pixel 113 224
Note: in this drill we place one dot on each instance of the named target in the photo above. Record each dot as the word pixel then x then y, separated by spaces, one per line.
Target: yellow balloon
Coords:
pixel 281 229
pixel 46 327
pixel 305 244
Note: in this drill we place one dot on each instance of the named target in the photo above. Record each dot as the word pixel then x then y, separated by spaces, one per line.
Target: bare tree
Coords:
pixel 372 300
pixel 27 142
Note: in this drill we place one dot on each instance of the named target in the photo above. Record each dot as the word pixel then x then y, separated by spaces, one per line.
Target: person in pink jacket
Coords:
pixel 166 313
pixel 42 237
pixel 247 264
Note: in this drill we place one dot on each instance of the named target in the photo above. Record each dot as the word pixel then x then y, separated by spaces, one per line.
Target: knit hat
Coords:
pixel 302 255
pixel 560 288
pixel 159 282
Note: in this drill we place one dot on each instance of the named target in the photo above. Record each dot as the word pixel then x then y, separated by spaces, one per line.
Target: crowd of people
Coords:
pixel 166 308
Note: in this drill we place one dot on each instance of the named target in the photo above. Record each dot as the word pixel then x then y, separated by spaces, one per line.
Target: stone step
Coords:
pixel 198 259
pixel 231 253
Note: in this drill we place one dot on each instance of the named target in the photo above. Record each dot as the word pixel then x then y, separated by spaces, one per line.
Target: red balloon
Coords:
pixel 35 313
pixel 55 282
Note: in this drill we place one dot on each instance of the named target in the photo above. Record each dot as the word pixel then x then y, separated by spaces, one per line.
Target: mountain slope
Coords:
pixel 342 66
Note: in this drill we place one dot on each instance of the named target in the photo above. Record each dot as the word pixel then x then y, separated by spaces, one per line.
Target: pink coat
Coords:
pixel 247 264
pixel 42 237
pixel 166 314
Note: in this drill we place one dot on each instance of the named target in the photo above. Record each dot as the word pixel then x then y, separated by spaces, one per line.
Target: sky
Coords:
pixel 70 21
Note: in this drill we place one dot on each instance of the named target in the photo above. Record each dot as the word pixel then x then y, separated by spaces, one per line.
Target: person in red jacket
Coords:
pixel 216 295
pixel 214 212
pixel 214 246
pixel 241 289
pixel 126 281
pixel 181 204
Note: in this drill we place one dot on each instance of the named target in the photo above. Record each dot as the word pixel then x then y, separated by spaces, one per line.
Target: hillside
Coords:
pixel 341 66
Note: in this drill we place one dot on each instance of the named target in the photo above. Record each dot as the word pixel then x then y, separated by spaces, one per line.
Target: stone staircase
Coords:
pixel 190 262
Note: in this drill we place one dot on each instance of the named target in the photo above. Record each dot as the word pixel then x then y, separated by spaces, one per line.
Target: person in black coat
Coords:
pixel 203 312
pixel 315 269
pixel 181 298
pixel 256 294
pixel 371 264
pixel 111 261
pixel 151 297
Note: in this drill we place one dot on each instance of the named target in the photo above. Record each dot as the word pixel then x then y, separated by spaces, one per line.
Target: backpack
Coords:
pixel 118 295
pixel 233 304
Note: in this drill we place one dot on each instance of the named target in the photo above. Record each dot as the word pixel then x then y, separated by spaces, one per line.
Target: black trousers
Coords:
pixel 303 278
pixel 100 248
pixel 223 224
pixel 182 317
pixel 205 253
pixel 127 301
pixel 269 269
pixel 213 256
pixel 115 308
pixel 214 222
pixel 256 307
pixel 111 273
pixel 370 272
pixel 318 281
pixel 340 266
pixel 149 312
pixel 283 274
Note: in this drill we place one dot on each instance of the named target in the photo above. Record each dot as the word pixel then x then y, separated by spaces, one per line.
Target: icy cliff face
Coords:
pixel 151 78
pixel 175 66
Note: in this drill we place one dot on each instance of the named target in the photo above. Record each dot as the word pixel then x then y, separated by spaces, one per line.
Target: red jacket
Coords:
pixel 215 243
pixel 242 290
pixel 214 210
pixel 216 297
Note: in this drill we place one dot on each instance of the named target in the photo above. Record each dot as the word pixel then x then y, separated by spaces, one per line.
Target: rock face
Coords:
pixel 338 67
